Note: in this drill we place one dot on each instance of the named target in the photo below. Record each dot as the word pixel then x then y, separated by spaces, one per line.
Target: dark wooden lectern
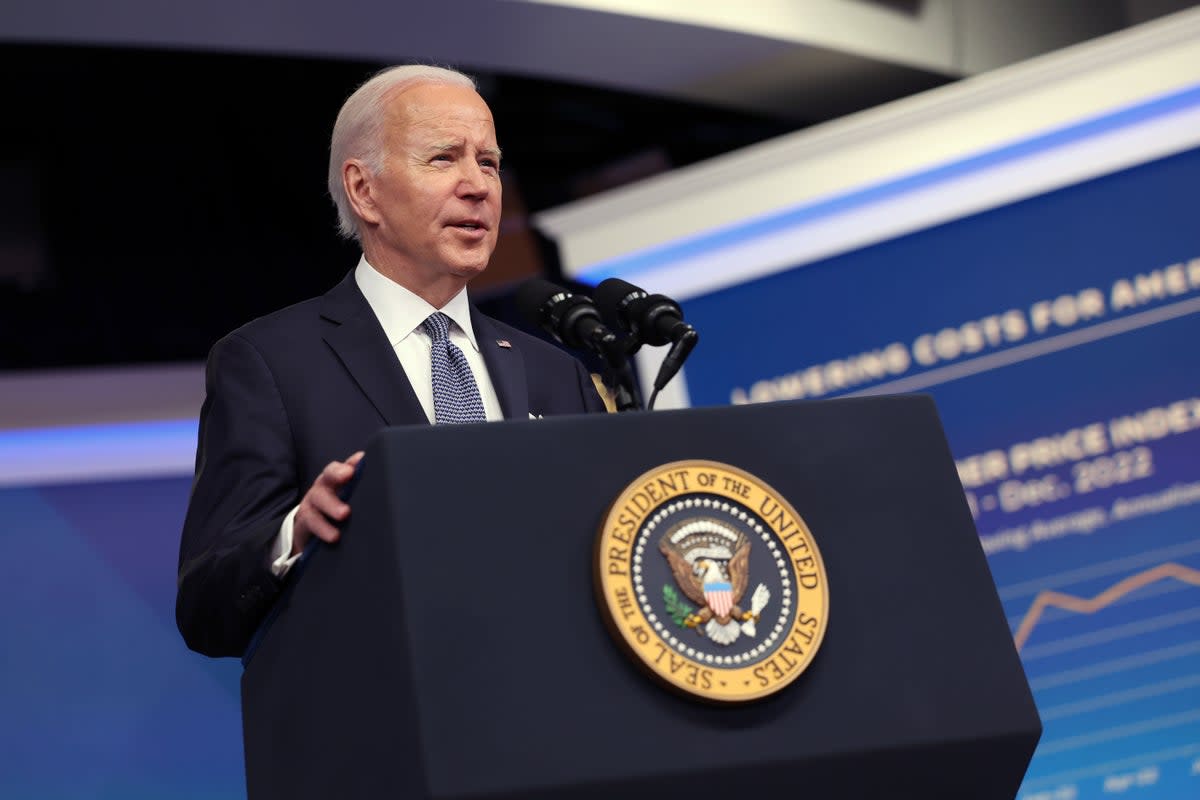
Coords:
pixel 450 646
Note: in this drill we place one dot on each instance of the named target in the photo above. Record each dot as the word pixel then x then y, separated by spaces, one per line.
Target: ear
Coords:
pixel 357 182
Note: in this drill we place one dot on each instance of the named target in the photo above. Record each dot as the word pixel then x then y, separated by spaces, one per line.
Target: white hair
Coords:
pixel 358 132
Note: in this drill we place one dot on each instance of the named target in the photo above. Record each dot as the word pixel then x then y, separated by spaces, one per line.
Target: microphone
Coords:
pixel 572 319
pixel 652 319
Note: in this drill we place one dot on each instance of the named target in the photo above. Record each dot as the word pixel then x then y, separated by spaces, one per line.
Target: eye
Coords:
pixel 442 157
pixel 490 163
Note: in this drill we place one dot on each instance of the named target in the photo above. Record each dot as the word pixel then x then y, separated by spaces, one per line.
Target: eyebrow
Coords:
pixel 459 144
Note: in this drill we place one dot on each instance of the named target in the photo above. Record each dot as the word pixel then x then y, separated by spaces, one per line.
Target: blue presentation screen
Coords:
pixel 100 698
pixel 1060 338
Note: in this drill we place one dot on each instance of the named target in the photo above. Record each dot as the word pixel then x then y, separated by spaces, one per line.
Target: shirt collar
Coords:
pixel 401 312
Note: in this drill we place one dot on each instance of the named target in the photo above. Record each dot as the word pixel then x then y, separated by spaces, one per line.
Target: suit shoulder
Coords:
pixel 304 319
pixel 280 326
pixel 306 312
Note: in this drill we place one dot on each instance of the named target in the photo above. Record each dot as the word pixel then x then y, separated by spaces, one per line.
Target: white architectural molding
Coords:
pixel 1115 91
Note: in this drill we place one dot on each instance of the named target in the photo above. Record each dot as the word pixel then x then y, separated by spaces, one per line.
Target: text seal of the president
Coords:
pixel 712 581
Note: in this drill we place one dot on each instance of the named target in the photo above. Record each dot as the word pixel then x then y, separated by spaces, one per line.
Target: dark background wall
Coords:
pixel 153 200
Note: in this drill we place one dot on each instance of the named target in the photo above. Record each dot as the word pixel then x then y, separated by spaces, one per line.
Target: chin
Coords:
pixel 469 267
pixel 467 271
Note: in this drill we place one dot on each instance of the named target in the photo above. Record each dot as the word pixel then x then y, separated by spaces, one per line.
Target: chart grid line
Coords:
pixel 1119 698
pixel 1111 634
pixel 1113 666
pixel 1098 570
pixel 1129 762
pixel 1119 732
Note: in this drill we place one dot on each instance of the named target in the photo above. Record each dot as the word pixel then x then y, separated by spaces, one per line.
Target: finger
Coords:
pixel 311 521
pixel 354 459
pixel 314 523
pixel 326 501
pixel 335 474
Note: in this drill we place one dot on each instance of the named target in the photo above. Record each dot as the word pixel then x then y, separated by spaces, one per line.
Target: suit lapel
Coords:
pixel 358 339
pixel 505 365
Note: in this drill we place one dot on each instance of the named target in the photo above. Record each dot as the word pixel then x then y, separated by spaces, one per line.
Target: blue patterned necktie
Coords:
pixel 455 395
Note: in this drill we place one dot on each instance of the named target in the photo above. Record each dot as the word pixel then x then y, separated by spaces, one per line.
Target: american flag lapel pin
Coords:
pixel 505 343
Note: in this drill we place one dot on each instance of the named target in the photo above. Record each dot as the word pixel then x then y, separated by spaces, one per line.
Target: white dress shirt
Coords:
pixel 401 313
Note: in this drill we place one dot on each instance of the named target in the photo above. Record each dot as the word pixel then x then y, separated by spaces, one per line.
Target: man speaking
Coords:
pixel 292 397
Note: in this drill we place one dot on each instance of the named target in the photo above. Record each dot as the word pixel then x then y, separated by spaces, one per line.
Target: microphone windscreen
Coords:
pixel 609 295
pixel 531 299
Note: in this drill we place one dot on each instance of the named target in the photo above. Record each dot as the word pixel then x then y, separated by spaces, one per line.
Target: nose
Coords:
pixel 474 183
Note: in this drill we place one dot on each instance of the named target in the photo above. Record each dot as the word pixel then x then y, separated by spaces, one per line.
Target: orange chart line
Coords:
pixel 1109 596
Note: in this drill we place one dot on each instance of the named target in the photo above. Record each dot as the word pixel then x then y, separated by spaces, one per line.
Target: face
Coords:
pixel 433 212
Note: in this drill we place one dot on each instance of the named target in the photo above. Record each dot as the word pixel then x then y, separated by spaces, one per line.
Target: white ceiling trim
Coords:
pixel 889 143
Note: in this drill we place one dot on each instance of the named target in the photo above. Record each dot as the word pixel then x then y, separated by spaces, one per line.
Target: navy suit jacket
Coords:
pixel 285 395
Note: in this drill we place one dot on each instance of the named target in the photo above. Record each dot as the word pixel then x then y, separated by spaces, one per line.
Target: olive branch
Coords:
pixel 677 609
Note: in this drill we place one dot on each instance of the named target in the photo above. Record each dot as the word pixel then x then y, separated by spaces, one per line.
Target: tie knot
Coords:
pixel 437 325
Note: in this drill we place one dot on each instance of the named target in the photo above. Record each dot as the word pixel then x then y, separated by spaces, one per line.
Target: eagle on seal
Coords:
pixel 711 564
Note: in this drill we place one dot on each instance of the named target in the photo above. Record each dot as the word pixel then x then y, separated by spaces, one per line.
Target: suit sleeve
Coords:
pixel 245 484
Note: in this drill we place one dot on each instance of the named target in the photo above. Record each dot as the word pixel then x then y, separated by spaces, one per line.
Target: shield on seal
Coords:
pixel 719 595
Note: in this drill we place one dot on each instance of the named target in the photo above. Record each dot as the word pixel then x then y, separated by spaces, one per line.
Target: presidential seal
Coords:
pixel 712 581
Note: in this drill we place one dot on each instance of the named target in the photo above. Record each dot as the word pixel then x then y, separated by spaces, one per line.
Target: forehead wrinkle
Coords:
pixel 407 113
pixel 430 126
pixel 436 115
pixel 446 144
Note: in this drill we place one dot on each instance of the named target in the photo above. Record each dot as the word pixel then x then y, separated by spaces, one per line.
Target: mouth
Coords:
pixel 470 225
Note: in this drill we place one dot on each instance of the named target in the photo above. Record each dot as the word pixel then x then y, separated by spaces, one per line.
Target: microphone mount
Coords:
pixel 652 319
pixel 574 320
